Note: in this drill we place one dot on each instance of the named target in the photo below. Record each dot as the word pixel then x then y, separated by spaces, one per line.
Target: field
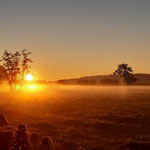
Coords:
pixel 95 117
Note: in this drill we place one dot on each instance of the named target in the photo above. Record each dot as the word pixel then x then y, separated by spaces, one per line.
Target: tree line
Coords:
pixel 123 72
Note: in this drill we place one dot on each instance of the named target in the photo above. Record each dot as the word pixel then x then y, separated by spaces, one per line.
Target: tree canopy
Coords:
pixel 126 72
pixel 15 66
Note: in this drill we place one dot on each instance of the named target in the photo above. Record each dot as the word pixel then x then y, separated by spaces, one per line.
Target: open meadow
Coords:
pixel 95 117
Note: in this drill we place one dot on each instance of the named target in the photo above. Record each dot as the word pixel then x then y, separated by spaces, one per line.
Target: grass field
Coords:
pixel 98 118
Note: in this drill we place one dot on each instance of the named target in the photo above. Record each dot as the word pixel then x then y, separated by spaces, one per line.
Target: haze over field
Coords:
pixel 94 117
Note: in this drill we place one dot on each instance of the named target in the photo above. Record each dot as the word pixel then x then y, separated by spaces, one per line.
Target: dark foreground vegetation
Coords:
pixel 96 118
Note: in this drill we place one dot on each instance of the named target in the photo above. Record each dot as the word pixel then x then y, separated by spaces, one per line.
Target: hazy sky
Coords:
pixel 73 38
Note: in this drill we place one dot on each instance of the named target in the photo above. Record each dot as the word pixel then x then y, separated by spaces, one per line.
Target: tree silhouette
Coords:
pixel 25 64
pixel 21 140
pixel 46 143
pixel 11 64
pixel 16 65
pixel 2 73
pixel 123 69
pixel 126 72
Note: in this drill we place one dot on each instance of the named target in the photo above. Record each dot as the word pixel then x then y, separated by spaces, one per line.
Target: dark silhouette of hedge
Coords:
pixel 86 82
pixel 92 82
pixel 61 82
pixel 109 82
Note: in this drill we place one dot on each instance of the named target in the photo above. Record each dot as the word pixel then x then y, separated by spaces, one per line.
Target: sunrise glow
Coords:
pixel 32 86
pixel 29 77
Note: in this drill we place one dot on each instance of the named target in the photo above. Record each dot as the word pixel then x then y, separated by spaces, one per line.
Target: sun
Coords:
pixel 29 77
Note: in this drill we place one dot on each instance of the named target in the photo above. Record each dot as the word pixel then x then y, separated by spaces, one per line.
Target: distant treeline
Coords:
pixel 143 79
pixel 91 82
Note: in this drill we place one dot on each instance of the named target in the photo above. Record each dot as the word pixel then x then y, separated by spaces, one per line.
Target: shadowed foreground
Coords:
pixel 97 118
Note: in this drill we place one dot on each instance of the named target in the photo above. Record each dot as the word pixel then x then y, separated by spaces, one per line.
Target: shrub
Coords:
pixel 21 139
pixel 81 148
pixel 3 121
pixel 46 143
pixel 5 139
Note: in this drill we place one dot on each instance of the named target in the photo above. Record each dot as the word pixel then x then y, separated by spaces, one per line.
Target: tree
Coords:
pixel 25 64
pixel 126 72
pixel 2 73
pixel 11 65
pixel 21 139
pixel 16 65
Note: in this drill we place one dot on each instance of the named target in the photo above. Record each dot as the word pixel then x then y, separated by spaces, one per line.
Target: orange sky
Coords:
pixel 72 39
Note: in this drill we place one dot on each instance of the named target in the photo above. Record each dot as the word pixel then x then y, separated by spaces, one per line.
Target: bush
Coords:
pixel 21 139
pixel 135 145
pixel 46 143
pixel 5 140
pixel 3 121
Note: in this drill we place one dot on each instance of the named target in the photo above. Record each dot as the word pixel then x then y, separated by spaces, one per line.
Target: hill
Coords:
pixel 144 79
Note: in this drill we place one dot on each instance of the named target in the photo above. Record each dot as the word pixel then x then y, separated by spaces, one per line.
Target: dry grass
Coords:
pixel 97 118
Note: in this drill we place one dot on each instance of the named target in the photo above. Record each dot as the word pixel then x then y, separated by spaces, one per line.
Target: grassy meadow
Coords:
pixel 95 117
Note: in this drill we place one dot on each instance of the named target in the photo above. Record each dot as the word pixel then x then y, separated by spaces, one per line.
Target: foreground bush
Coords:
pixel 133 145
pixel 81 148
pixel 21 139
pixel 5 140
pixel 47 143
pixel 3 121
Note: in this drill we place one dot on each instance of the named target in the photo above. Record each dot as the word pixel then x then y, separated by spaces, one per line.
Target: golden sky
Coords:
pixel 78 38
